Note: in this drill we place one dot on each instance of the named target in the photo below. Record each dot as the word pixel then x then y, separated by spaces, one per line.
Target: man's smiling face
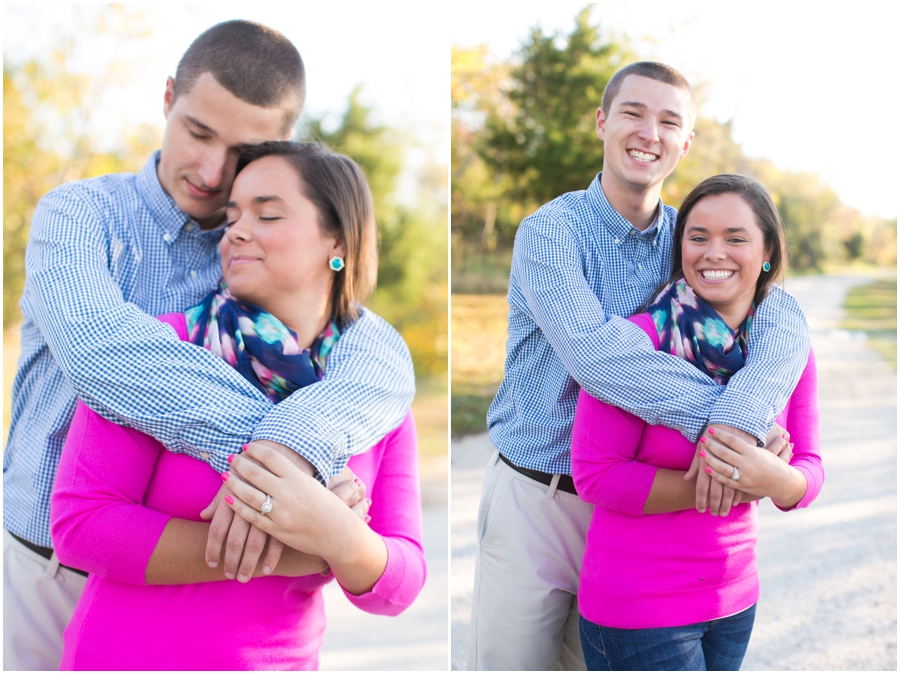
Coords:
pixel 645 134
pixel 207 127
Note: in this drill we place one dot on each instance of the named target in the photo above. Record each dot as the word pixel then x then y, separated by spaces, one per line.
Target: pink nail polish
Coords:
pixel 368 519
pixel 228 499
pixel 702 453
pixel 230 458
pixel 708 470
pixel 703 440
pixel 225 477
pixel 783 436
pixel 243 448
pixel 369 502
pixel 357 481
pixel 712 431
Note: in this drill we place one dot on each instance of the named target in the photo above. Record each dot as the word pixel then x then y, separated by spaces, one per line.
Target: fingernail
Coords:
pixel 211 564
pixel 783 436
pixel 367 519
pixel 702 453
pixel 369 502
pixel 242 578
pixel 267 570
pixel 225 476
pixel 357 481
pixel 230 458
pixel 701 510
pixel 712 431
pixel 703 440
pixel 228 499
pixel 229 576
pixel 243 448
pixel 708 470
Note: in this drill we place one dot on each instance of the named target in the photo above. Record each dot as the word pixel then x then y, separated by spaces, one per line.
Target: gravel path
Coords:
pixel 416 640
pixel 828 574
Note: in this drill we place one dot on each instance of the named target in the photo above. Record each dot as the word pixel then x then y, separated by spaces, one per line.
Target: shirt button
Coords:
pixel 204 455
pixel 193 274
pixel 617 242
pixel 640 267
pixel 167 237
pixel 189 227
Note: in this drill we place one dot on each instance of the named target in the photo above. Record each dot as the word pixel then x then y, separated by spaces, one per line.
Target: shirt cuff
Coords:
pixel 394 591
pixel 749 414
pixel 137 537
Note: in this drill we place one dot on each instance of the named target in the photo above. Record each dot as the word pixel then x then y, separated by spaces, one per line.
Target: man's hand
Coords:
pixel 244 544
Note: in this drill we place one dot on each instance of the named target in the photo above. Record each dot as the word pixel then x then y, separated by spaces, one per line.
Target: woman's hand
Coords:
pixel 306 516
pixel 761 472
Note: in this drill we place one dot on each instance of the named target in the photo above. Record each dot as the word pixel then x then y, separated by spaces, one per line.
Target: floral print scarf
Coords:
pixel 259 346
pixel 691 329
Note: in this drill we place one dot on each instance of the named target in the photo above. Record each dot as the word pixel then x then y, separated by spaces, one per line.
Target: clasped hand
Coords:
pixel 243 543
pixel 719 450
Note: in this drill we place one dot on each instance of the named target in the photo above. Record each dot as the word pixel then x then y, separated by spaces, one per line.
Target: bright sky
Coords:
pixel 405 72
pixel 810 87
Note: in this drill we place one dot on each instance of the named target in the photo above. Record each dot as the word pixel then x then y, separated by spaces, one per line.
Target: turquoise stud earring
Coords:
pixel 766 266
pixel 337 263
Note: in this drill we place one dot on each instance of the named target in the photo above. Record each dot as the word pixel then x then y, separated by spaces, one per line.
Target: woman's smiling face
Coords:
pixel 274 253
pixel 722 253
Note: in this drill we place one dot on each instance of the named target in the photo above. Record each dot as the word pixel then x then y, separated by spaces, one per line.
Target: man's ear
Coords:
pixel 601 124
pixel 687 144
pixel 169 97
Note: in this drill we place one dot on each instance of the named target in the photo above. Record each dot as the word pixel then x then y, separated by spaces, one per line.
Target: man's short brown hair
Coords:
pixel 255 63
pixel 655 71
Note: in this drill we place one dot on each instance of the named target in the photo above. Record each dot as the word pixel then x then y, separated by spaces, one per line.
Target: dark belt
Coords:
pixel 566 483
pixel 46 553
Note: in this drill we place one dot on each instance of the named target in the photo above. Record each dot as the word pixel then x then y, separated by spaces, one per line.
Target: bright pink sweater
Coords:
pixel 115 491
pixel 671 569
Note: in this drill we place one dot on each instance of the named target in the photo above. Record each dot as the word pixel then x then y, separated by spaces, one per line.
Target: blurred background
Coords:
pixel 83 92
pixel 799 98
pixel 792 98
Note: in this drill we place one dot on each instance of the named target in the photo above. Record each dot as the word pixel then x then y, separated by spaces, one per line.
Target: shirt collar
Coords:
pixel 165 212
pixel 616 224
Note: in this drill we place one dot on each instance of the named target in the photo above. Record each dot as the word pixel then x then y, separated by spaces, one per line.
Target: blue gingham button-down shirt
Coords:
pixel 578 269
pixel 104 256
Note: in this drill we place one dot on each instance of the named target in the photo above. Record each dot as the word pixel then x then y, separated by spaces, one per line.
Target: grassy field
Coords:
pixel 872 309
pixel 477 352
pixel 429 408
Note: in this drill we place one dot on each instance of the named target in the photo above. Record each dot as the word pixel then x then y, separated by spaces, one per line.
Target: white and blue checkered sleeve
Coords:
pixel 368 387
pixel 609 357
pixel 779 349
pixel 124 364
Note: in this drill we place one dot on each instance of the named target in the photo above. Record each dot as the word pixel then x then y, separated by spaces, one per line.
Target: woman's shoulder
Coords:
pixel 178 321
pixel 645 322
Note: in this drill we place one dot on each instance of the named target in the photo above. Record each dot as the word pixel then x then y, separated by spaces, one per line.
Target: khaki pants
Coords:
pixel 39 598
pixel 530 544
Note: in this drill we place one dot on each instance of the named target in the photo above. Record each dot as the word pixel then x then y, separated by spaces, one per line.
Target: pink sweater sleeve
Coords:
pixel 397 516
pixel 803 425
pixel 97 518
pixel 604 443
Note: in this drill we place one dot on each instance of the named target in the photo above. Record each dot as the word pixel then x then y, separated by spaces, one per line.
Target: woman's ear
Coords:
pixel 340 249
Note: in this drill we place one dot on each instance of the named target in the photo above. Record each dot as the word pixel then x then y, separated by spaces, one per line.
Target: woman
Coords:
pixel 298 257
pixel 662 585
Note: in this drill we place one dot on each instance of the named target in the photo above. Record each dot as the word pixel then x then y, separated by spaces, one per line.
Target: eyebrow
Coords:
pixel 197 122
pixel 258 201
pixel 728 230
pixel 643 106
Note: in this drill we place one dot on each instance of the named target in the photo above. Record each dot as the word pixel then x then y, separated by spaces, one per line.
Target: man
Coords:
pixel 580 264
pixel 104 256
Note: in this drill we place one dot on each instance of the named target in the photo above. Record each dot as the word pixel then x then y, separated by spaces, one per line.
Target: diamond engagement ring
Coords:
pixel 734 476
pixel 266 506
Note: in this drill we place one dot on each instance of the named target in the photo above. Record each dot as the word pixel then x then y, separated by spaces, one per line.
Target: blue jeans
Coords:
pixel 714 645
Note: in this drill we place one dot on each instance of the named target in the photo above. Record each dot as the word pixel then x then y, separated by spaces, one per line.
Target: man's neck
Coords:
pixel 637 206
